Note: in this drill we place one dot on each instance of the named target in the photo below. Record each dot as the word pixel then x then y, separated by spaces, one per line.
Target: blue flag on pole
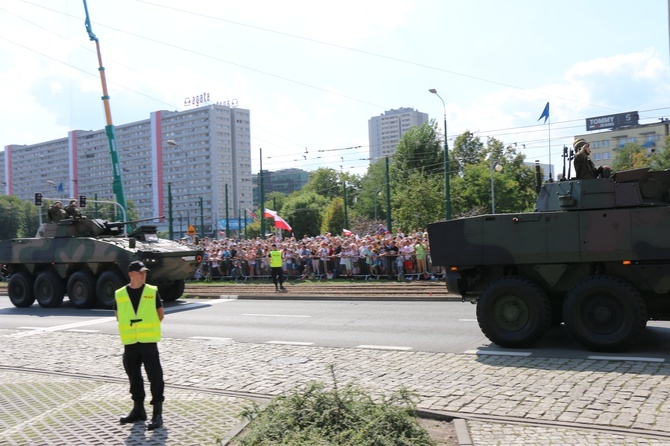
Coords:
pixel 60 188
pixel 545 113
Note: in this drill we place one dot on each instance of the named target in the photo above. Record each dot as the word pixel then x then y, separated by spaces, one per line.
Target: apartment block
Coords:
pixel 198 153
pixel 385 131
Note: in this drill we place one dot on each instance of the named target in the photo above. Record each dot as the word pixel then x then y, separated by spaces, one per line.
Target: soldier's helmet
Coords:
pixel 579 144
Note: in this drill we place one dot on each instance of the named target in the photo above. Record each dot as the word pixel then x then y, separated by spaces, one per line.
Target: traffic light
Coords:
pixel 38 199
pixel 82 201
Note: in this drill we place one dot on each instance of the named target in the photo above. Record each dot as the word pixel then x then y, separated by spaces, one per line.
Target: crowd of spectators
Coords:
pixel 379 255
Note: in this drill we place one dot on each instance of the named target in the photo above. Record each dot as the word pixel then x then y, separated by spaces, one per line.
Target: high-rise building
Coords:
pixel 284 181
pixel 199 153
pixel 385 131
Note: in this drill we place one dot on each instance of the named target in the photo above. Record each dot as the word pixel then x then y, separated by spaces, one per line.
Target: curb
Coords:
pixel 285 296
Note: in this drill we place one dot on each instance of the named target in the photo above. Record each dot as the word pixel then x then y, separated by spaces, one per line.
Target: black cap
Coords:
pixel 137 266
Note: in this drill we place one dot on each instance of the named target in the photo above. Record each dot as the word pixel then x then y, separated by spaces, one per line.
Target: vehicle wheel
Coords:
pixel 108 283
pixel 605 313
pixel 172 291
pixel 81 289
pixel 514 312
pixel 49 289
pixel 21 289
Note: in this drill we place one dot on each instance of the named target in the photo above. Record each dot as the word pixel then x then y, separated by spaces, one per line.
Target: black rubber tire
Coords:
pixel 514 312
pixel 107 284
pixel 21 289
pixel 81 289
pixel 605 313
pixel 49 289
pixel 172 291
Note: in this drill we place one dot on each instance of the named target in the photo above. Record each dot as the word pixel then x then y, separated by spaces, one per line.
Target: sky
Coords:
pixel 313 73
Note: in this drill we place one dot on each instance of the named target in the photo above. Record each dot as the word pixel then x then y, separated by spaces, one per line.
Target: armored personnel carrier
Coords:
pixel 594 255
pixel 88 259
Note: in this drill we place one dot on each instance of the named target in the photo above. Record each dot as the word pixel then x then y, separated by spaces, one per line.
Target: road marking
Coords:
pixel 624 358
pixel 385 347
pixel 81 330
pixel 274 315
pixel 496 352
pixel 467 320
pixel 210 338
pixel 290 343
pixel 40 330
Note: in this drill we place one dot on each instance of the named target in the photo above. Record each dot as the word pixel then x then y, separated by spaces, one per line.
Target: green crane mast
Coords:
pixel 110 130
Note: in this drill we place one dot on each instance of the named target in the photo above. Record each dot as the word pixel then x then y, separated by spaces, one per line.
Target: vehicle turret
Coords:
pixel 595 255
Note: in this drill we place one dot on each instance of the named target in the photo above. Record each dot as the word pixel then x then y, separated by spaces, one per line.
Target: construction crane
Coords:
pixel 110 130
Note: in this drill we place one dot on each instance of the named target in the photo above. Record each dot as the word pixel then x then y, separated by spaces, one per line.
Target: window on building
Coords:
pixel 606 155
pixel 596 156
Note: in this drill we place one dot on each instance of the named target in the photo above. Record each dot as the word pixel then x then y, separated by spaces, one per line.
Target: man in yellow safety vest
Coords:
pixel 139 312
pixel 276 268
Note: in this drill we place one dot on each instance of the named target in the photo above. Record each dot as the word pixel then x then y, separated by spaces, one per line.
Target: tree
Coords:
pixel 325 182
pixel 305 212
pixel 513 185
pixel 631 156
pixel 372 192
pixel 419 200
pixel 418 150
pixel 660 158
pixel 468 149
pixel 333 220
pixel 11 217
pixel 275 201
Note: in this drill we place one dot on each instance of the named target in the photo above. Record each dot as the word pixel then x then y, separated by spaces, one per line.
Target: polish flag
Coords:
pixel 347 232
pixel 279 222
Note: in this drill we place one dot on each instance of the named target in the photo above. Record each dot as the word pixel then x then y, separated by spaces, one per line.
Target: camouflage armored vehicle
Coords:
pixel 594 255
pixel 87 259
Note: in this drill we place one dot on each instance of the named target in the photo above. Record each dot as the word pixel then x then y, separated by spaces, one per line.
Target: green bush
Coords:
pixel 314 415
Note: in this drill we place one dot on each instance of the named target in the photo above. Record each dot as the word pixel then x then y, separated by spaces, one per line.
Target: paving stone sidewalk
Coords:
pixel 575 395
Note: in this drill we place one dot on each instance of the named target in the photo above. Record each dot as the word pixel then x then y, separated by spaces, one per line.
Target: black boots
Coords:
pixel 137 414
pixel 157 417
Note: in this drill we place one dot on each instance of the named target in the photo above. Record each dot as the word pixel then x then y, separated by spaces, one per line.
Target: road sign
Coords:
pixel 191 230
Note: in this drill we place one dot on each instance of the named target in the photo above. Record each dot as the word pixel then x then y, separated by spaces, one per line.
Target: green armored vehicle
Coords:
pixel 87 259
pixel 594 255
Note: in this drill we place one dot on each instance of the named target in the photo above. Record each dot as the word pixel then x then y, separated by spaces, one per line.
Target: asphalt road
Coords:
pixel 447 327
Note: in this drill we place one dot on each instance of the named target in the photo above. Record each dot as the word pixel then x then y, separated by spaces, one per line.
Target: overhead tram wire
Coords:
pixel 368 53
pixel 495 133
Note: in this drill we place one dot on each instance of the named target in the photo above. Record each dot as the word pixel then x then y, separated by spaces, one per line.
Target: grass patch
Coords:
pixel 314 415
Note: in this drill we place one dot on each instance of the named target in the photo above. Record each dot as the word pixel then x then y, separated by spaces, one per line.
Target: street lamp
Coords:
pixel 498 168
pixel 447 194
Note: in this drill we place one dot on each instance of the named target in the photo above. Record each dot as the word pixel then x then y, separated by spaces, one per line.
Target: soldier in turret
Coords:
pixel 584 167
pixel 73 211
pixel 56 212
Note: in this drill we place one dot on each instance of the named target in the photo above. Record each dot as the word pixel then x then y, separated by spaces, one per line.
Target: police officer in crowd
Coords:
pixel 276 272
pixel 139 312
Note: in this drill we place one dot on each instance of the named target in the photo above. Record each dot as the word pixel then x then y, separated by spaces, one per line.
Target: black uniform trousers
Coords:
pixel 277 275
pixel 134 355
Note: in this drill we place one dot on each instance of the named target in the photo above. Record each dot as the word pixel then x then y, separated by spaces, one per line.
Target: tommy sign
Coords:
pixel 612 121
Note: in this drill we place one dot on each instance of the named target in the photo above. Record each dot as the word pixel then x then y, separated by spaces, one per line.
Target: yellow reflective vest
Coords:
pixel 275 259
pixel 143 326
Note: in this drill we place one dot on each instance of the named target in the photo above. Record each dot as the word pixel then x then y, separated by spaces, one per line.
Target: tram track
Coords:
pixel 352 289
pixel 421 413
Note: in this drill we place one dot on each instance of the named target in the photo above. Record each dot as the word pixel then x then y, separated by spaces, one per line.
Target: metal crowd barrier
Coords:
pixel 391 267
